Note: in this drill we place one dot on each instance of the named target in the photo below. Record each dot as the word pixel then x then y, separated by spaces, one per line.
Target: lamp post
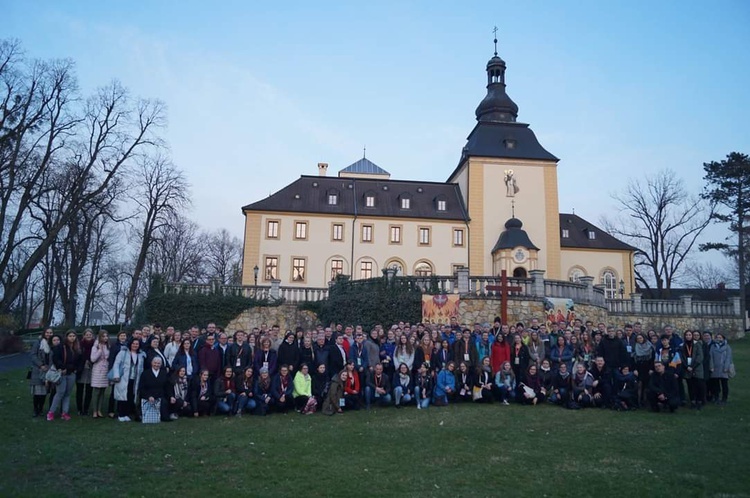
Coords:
pixel 255 276
pixel 622 289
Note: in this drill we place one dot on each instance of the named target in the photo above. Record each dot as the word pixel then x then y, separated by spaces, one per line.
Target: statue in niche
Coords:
pixel 511 187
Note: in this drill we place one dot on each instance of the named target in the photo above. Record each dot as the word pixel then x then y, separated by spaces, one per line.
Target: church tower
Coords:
pixel 505 174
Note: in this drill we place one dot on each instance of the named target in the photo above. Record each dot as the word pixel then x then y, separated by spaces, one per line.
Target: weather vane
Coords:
pixel 495 33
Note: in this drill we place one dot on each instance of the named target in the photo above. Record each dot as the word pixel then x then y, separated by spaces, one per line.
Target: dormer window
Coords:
pixel 592 235
pixel 333 197
pixel 405 201
pixel 510 143
pixel 441 205
pixel 565 233
pixel 369 199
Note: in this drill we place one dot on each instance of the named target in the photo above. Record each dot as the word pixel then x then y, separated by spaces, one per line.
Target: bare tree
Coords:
pixel 177 254
pixel 223 256
pixel 662 220
pixel 160 191
pixel 52 146
pixel 708 276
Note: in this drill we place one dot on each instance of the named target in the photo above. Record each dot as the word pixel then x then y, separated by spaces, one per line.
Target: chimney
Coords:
pixel 322 169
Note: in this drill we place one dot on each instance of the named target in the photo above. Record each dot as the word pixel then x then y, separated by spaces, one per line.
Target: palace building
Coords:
pixel 498 210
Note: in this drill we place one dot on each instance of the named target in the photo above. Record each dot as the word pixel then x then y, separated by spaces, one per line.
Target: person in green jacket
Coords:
pixel 304 402
pixel 692 372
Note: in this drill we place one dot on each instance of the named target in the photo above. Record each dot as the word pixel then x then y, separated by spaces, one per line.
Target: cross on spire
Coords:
pixel 364 152
pixel 513 208
pixel 494 31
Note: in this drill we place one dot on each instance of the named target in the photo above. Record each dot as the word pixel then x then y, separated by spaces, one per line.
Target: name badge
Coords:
pixel 238 362
pixel 690 361
pixel 586 357
pixel 265 364
pixel 629 348
pixel 518 361
pixel 359 362
pixel 466 357
pixel 341 402
pixel 463 392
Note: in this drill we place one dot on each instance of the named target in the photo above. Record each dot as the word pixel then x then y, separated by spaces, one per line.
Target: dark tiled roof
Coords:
pixel 698 294
pixel 513 236
pixel 578 230
pixel 309 194
pixel 364 166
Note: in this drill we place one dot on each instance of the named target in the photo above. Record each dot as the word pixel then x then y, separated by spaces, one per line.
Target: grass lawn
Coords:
pixel 453 451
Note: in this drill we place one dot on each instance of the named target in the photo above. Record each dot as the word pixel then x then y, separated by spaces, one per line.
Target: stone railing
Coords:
pixel 272 292
pixel 684 306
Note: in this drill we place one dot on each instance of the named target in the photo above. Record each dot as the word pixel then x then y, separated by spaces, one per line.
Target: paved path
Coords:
pixel 14 361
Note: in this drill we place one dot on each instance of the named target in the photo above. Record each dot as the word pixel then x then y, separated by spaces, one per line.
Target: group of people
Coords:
pixel 162 375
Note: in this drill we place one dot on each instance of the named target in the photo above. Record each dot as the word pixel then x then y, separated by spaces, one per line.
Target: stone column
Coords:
pixel 635 299
pixel 687 304
pixel 537 283
pixel 588 281
pixel 462 274
pixel 737 305
pixel 275 289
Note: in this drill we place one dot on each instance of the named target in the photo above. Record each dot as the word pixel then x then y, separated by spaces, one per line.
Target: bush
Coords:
pixel 182 311
pixel 371 302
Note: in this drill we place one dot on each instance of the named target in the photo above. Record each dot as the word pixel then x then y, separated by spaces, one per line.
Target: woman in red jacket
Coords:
pixel 352 390
pixel 499 353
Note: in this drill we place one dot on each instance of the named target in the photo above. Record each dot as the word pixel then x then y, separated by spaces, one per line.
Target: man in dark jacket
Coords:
pixel 321 353
pixel 210 358
pixel 239 353
pixel 378 387
pixel 336 357
pixel 289 352
pixel 153 387
pixel 613 350
pixel 602 389
pixel 662 389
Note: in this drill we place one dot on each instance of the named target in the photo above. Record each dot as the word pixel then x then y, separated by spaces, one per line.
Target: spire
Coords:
pixel 496 106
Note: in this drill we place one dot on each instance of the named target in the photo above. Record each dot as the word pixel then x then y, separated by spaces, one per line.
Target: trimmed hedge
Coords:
pixel 182 311
pixel 369 302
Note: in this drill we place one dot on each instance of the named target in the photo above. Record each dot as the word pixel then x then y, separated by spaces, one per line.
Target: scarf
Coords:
pixel 563 375
pixel 44 346
pixel 403 379
pixel 643 350
pixel 264 383
pixel 544 369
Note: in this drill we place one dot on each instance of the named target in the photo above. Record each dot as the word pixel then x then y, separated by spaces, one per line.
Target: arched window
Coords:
pixel 609 282
pixel 575 274
pixel 423 269
pixel 520 272
pixel 397 264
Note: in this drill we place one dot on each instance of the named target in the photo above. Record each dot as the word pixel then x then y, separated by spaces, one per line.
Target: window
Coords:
pixel 405 203
pixel 592 235
pixel 424 236
pixel 366 233
pixel 423 269
pixel 271 268
pixel 565 233
pixel 370 201
pixel 337 268
pixel 575 274
pixel 337 232
pixel 609 281
pixel 365 269
pixel 272 229
pixel 455 268
pixel 395 234
pixel 298 269
pixel 300 230
pixel 458 237
pixel 333 199
pixel 396 265
pixel 441 205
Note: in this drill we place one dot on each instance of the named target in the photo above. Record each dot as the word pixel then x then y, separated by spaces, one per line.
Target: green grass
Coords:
pixel 453 451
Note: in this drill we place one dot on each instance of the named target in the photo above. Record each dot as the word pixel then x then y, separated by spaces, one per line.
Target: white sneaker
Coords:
pixel 121 419
pixel 174 416
pixel 505 402
pixel 419 407
pixel 126 419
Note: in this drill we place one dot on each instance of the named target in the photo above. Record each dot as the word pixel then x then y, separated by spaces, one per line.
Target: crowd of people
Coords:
pixel 161 375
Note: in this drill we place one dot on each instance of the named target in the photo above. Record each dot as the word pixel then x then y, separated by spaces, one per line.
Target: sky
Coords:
pixel 259 92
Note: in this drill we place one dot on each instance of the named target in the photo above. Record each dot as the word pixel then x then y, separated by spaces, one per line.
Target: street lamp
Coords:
pixel 622 289
pixel 255 276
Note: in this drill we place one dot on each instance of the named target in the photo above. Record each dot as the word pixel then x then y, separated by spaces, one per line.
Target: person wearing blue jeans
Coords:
pixel 245 389
pixel 378 388
pixel 403 390
pixel 423 387
pixel 225 392
pixel 445 388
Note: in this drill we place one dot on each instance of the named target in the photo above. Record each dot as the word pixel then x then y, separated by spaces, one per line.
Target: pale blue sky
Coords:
pixel 260 92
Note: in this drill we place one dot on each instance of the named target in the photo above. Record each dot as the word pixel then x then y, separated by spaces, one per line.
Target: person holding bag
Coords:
pixel 126 375
pixel 40 360
pixel 99 370
pixel 153 390
pixel 66 359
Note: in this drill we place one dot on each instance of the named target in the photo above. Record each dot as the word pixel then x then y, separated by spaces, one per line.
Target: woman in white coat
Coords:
pixel 128 368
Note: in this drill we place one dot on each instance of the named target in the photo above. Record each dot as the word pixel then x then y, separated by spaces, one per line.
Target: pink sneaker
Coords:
pixel 50 416
pixel 65 416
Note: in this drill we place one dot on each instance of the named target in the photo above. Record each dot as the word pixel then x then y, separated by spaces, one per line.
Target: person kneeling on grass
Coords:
pixel 531 391
pixel 304 401
pixel 153 389
pixel 582 385
pixel 626 389
pixel 561 381
pixel 352 388
pixel 202 396
pixel 263 392
pixel 226 392
pixel 482 387
pixel 504 387
pixel 282 390
pixel 445 387
pixel 464 381
pixel 662 389
pixel 245 389
pixel 321 383
pixel 378 388
pixel 423 386
pixel 179 395
pixel 334 401
pixel 403 390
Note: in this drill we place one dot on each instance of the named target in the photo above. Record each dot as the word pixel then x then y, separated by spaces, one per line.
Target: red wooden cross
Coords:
pixel 504 288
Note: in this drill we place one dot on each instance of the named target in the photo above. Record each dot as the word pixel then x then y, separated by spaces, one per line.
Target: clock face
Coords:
pixel 519 255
